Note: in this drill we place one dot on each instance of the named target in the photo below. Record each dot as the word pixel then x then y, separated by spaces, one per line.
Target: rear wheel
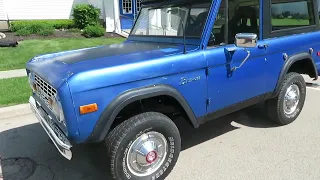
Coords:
pixel 144 147
pixel 287 106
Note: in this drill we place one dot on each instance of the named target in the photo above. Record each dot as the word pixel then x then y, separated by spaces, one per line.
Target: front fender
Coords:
pixel 108 116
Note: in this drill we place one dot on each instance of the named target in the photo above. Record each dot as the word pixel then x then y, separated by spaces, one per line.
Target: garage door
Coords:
pixel 3 15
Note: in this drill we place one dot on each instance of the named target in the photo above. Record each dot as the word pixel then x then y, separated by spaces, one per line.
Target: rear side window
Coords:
pixel 294 14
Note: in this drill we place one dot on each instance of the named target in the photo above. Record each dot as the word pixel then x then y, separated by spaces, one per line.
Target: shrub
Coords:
pixel 94 31
pixel 46 30
pixel 34 24
pixel 40 29
pixel 85 15
pixel 63 24
pixel 74 30
pixel 24 32
pixel 35 28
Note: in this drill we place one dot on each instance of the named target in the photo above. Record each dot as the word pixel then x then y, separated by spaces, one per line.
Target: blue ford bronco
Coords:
pixel 201 59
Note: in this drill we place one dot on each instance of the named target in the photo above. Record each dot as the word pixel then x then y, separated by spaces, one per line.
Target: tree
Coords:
pixel 286 14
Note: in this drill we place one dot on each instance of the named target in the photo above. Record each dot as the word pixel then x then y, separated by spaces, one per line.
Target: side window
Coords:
pixel 243 18
pixel 196 20
pixel 286 15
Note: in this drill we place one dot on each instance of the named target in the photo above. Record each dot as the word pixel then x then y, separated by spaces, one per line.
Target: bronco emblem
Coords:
pixel 188 80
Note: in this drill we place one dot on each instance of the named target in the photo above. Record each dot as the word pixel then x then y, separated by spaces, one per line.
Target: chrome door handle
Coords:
pixel 245 60
pixel 231 49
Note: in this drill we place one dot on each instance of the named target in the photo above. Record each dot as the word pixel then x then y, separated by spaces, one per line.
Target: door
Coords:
pixel 126 14
pixel 129 10
pixel 228 87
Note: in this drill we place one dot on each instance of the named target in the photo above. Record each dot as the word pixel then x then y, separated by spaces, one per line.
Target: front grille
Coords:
pixel 44 90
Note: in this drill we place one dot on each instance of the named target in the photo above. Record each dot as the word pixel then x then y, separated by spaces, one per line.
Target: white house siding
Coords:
pixel 44 9
pixel 112 16
pixel 3 14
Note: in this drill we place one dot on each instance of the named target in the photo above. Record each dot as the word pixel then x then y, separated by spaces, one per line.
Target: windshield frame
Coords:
pixel 173 39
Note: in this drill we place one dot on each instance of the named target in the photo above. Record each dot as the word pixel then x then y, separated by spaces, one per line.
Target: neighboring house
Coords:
pixel 3 16
pixel 118 15
pixel 2 10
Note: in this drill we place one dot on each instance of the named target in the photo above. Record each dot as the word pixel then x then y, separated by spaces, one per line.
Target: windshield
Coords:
pixel 167 21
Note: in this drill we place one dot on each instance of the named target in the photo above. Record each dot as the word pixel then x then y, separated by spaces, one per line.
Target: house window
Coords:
pixel 127 6
pixel 138 5
pixel 291 14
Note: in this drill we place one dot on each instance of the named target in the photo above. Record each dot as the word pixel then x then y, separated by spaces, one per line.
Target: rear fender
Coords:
pixel 288 63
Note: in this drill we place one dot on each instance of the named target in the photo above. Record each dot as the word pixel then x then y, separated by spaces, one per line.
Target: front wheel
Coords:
pixel 144 147
pixel 287 106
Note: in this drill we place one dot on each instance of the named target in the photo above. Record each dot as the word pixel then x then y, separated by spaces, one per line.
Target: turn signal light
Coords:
pixel 88 108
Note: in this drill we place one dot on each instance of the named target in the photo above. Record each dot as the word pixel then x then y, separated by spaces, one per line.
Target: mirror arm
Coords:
pixel 235 67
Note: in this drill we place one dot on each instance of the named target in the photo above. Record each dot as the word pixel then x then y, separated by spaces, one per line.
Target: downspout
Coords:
pixel 117 23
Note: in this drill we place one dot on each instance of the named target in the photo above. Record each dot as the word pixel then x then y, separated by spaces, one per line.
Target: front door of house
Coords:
pixel 128 12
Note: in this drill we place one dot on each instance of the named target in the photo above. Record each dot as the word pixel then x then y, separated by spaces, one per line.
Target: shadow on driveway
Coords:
pixel 27 153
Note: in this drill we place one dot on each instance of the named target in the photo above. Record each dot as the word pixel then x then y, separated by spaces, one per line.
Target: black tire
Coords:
pixel 275 107
pixel 123 136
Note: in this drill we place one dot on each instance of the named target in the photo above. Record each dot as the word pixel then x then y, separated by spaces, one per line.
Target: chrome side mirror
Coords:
pixel 246 40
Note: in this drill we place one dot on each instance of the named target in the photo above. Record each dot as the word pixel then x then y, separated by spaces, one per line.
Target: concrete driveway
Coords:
pixel 243 145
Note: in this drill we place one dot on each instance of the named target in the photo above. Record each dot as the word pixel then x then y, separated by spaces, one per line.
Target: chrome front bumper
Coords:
pixel 58 138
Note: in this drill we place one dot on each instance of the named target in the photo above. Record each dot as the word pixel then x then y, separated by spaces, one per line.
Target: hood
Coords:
pixel 57 67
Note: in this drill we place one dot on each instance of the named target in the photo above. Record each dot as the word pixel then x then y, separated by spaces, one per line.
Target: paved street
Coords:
pixel 243 145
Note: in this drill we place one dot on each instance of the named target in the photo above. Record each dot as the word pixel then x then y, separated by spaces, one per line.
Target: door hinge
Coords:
pixel 207 71
pixel 208 101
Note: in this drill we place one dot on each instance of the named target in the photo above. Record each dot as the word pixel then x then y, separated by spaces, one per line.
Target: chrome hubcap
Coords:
pixel 147 153
pixel 291 99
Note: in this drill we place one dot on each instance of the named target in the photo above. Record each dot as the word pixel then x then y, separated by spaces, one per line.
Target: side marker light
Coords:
pixel 89 108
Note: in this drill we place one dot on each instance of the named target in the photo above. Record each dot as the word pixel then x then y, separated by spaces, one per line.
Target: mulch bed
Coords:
pixel 11 36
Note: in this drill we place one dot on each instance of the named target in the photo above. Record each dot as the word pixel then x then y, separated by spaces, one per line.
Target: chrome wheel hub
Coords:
pixel 291 99
pixel 147 153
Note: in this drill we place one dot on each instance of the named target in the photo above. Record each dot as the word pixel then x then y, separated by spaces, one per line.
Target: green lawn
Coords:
pixel 16 58
pixel 289 22
pixel 14 91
